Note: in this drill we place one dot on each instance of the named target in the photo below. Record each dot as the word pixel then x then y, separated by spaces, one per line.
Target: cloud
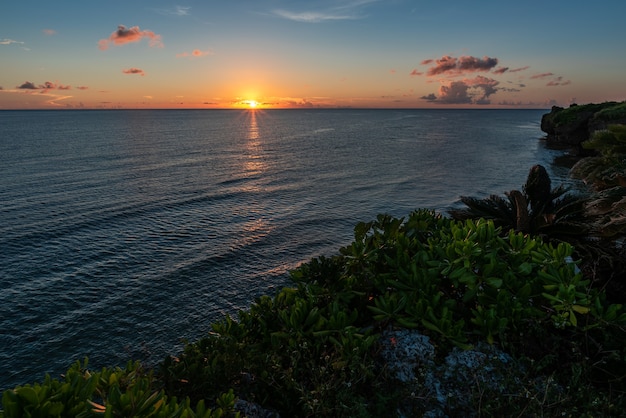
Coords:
pixel 311 17
pixel 82 88
pixel 134 71
pixel 542 75
pixel 48 85
pixel 27 85
pixel 176 11
pixel 475 90
pixel 448 65
pixel 558 81
pixel 49 32
pixel 500 70
pixel 344 10
pixel 515 70
pixel 455 93
pixel 6 41
pixel 196 53
pixel 125 35
pixel 415 72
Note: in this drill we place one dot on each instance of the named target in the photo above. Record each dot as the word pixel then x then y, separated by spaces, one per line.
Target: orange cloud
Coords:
pixel 134 71
pixel 124 36
pixel 415 72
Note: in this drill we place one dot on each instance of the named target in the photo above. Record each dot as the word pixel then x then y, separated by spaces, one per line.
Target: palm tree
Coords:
pixel 538 209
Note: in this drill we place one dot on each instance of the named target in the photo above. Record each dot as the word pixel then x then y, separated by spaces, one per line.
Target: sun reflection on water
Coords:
pixel 254 164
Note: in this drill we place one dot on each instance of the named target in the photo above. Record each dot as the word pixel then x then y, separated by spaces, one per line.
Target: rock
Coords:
pixel 446 388
pixel 253 410
pixel 572 126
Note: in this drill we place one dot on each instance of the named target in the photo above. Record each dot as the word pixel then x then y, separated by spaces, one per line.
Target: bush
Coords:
pixel 128 392
pixel 315 349
pixel 311 350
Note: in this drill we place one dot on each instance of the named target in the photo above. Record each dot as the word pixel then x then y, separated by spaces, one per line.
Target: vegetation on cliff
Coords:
pixel 573 125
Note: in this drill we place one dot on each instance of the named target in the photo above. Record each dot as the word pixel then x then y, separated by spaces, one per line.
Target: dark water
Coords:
pixel 123 232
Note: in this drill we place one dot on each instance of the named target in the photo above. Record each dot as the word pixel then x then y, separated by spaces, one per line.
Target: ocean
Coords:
pixel 124 233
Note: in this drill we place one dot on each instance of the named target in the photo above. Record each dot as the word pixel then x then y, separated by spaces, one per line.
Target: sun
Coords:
pixel 252 104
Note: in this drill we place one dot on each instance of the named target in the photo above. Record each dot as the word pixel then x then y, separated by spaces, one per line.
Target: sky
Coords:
pixel 302 54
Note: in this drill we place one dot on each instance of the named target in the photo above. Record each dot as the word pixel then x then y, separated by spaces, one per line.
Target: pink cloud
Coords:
pixel 515 70
pixel 196 53
pixel 415 72
pixel 475 90
pixel 49 32
pixel 82 87
pixel 456 66
pixel 134 71
pixel 455 93
pixel 125 35
pixel 500 70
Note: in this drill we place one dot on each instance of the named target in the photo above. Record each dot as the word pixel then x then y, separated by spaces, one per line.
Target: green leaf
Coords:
pixel 28 394
pixel 580 309
pixel 525 268
pixel 495 282
pixel 407 323
pixel 429 325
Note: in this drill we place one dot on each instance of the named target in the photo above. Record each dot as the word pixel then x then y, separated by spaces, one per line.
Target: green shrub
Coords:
pixel 311 349
pixel 611 113
pixel 128 392
pixel 573 112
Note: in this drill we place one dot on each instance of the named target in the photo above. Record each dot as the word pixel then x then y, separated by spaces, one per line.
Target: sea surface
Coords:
pixel 125 232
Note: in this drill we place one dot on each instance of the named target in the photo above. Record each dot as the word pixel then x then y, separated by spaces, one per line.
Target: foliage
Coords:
pixel 615 111
pixel 607 174
pixel 313 349
pixel 574 112
pixel 128 392
pixel 299 352
pixel 539 210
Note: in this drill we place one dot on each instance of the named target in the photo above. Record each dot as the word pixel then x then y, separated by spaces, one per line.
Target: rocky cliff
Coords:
pixel 569 127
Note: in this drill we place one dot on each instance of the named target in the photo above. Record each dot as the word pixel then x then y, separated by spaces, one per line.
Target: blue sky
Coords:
pixel 342 53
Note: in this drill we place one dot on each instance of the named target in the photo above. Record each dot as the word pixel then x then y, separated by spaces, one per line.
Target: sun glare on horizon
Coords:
pixel 252 104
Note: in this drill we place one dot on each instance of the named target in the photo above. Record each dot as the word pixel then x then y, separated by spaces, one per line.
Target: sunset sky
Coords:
pixel 330 53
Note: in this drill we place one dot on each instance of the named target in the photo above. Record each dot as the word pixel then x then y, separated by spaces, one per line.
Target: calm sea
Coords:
pixel 124 232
